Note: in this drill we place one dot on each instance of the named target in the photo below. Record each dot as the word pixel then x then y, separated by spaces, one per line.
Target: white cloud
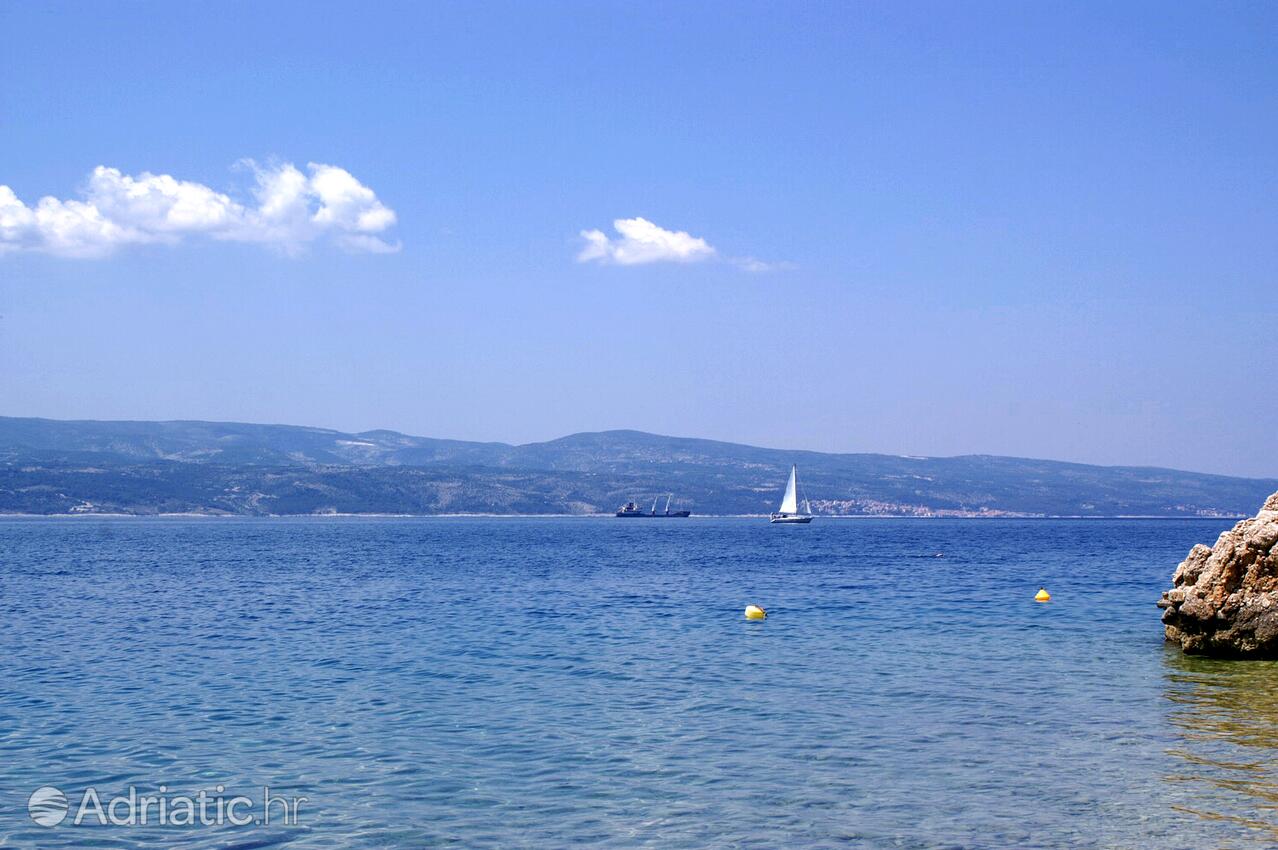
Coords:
pixel 757 266
pixel 641 241
pixel 290 210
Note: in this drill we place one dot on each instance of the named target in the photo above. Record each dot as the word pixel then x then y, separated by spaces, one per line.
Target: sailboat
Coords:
pixel 789 510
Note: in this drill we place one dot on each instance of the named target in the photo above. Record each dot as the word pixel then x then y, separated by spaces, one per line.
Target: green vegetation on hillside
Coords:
pixel 50 467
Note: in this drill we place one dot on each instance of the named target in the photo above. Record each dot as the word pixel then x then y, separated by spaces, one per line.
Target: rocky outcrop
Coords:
pixel 1224 600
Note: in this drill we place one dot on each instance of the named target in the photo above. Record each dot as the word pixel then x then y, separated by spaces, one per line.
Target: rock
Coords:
pixel 1224 600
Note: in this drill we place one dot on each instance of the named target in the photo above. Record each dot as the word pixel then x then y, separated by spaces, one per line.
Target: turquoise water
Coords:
pixel 557 682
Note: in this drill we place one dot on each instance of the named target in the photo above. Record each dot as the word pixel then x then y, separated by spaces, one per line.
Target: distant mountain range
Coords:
pixel 57 467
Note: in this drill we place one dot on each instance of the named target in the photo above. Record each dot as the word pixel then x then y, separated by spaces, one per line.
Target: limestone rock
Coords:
pixel 1224 600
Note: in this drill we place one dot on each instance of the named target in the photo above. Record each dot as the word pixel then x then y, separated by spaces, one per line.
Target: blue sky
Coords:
pixel 1047 230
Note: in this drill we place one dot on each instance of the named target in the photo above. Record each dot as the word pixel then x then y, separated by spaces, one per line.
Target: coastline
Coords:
pixel 973 516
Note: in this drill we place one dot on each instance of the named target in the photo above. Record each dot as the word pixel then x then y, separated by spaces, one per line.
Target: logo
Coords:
pixel 47 806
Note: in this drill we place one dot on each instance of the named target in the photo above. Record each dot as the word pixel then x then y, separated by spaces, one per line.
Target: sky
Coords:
pixel 1035 229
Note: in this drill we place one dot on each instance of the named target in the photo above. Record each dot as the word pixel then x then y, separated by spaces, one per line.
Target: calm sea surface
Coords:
pixel 544 683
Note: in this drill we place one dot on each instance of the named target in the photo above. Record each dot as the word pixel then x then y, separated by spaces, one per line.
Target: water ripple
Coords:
pixel 548 683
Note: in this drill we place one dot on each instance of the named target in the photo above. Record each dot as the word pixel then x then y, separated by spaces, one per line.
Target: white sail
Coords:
pixel 790 504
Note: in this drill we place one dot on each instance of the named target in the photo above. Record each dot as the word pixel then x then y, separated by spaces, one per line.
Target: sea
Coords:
pixel 592 682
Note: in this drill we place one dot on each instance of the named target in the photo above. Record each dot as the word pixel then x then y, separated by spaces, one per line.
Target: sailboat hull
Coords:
pixel 791 518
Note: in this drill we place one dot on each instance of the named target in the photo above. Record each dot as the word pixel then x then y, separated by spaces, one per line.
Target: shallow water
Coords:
pixel 553 682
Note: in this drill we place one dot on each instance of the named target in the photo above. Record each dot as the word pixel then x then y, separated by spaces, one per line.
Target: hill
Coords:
pixel 51 466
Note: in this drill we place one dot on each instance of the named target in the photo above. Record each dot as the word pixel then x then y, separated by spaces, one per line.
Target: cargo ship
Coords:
pixel 631 509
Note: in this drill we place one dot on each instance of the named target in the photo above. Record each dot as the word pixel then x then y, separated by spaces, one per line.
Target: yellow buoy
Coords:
pixel 754 612
pixel 1042 595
